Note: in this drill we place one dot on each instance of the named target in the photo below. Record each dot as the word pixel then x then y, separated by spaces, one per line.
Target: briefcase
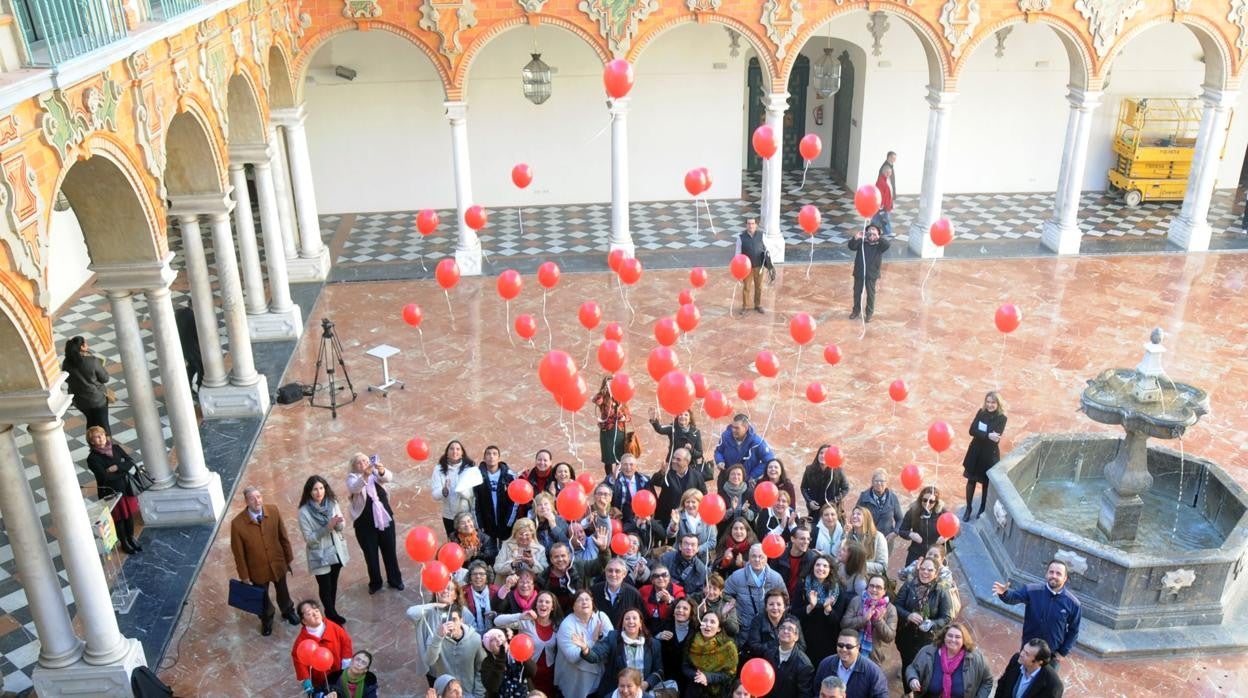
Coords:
pixel 247 597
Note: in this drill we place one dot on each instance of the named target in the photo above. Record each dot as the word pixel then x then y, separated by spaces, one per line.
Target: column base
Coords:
pixel 1190 235
pixel 183 506
pixel 1062 239
pixel 469 261
pixel 305 269
pixel 629 248
pixel 921 242
pixel 1119 518
pixel 82 679
pixel 276 326
pixel 235 400
pixel 775 247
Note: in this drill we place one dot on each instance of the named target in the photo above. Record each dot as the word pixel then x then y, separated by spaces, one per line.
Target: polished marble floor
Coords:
pixel 467 378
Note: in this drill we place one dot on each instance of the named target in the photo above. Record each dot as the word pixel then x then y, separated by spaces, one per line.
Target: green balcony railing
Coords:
pixel 168 9
pixel 58 30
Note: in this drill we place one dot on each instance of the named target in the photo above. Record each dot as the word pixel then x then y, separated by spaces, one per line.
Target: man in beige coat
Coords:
pixel 262 555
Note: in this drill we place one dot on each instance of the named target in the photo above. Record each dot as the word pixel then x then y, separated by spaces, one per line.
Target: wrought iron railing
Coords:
pixel 58 30
pixel 168 9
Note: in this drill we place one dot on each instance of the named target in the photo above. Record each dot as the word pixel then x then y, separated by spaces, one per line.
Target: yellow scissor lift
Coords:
pixel 1154 143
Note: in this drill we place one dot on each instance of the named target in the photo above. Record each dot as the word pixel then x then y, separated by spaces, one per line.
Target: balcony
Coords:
pixel 55 31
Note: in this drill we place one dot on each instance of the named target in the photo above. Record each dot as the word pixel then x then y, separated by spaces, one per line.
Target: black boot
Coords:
pixel 127 533
pixel 970 500
pixel 983 502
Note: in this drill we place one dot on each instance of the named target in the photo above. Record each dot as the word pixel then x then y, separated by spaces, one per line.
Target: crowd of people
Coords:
pixel 688 603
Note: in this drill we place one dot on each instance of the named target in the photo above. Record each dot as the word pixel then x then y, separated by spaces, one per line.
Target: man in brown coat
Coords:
pixel 262 555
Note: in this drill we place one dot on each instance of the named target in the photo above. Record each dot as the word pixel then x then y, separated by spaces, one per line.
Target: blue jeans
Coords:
pixel 884 220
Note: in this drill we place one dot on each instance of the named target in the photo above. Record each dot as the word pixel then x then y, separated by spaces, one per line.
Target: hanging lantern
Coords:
pixel 536 78
pixel 827 75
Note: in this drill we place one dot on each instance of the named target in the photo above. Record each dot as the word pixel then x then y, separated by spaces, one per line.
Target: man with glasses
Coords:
pixel 861 676
pixel 625 484
pixel 749 585
pixel 884 506
pixel 795 675
pixel 614 596
pixel 672 483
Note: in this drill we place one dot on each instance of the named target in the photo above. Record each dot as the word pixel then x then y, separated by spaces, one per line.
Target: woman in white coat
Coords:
pixel 446 486
pixel 322 524
pixel 575 675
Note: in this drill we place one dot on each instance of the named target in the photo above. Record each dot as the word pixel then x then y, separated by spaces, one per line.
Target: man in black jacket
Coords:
pixel 495 511
pixel 1029 674
pixel 750 244
pixel 867 255
pixel 795 674
pixel 615 596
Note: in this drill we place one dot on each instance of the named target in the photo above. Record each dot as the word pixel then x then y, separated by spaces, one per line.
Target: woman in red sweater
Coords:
pixel 325 633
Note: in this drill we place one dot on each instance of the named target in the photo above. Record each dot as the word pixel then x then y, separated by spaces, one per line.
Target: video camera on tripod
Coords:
pixel 329 356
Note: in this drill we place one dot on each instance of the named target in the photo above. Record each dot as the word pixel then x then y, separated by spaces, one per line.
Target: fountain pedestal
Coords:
pixel 1128 477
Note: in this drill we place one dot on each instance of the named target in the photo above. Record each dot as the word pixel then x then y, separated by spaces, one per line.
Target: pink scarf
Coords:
pixel 869 607
pixel 948 665
pixel 381 517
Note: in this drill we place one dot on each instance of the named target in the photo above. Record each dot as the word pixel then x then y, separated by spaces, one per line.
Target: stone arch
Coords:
pixel 459 79
pixel 1219 60
pixel 118 212
pixel 24 337
pixel 1078 57
pixel 247 125
pixel 194 164
pixel 281 92
pixel 938 68
pixel 765 56
pixel 316 42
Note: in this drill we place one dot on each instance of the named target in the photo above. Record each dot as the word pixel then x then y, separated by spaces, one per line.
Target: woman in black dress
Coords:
pixel 87 382
pixel 984 451
pixel 112 466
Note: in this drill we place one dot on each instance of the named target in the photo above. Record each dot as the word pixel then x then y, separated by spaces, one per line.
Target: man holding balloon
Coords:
pixel 868 253
pixel 750 244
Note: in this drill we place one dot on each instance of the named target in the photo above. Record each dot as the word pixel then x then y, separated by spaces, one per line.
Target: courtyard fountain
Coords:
pixel 1154 538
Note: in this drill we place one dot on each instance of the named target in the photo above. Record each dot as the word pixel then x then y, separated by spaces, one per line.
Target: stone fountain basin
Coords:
pixel 1121 587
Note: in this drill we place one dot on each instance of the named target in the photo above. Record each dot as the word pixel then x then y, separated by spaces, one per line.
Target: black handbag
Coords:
pixel 247 597
pixel 139 480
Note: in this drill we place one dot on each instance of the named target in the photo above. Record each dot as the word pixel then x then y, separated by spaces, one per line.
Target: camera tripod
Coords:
pixel 330 355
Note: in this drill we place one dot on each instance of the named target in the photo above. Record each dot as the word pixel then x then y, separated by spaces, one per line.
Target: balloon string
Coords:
pixel 710 218
pixel 697 221
pixel 422 262
pixel 793 390
pixel 507 327
pixel 732 301
pixel 811 263
pixel 857 301
pixel 632 313
pixel 520 219
pixel 448 307
pixel 996 376
pixel 923 286
pixel 770 412
pixel 803 184
pixel 597 135
pixel 422 346
pixel 550 337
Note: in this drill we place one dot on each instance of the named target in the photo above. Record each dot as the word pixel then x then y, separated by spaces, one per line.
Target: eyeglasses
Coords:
pixel 929 500
pixel 660 575
pixel 875 586
pixel 844 646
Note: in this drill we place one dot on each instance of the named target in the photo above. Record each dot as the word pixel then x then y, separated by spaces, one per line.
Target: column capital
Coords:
pixel 1217 97
pixel 124 276
pixel 202 204
pixel 456 112
pixel 288 117
pixel 1084 100
pixel 35 406
pixel 619 107
pixel 939 100
pixel 186 219
pixel 251 154
pixel 776 101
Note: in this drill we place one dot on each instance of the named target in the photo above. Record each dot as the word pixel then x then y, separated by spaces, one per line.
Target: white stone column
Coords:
pixel 931 197
pixel 248 392
pixel 776 104
pixel 202 302
pixel 105 645
pixel 59 646
pixel 285 203
pixel 621 233
pixel 1191 230
pixel 1061 233
pixel 313 255
pixel 284 319
pixel 139 388
pixel 468 246
pixel 253 282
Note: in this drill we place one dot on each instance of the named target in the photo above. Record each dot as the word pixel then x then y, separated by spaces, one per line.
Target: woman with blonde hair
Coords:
pixel 374 519
pixel 862 531
pixel 521 549
pixel 984 451
pixel 689 521
pixel 113 469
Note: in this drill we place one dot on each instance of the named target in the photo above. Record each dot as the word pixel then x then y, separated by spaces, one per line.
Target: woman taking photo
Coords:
pixel 863 532
pixel 711 663
pixel 629 647
pixel 875 616
pixel 820 605
pixel 522 547
pixel 984 451
pixel 451 466
pixel 322 524
pixel 541 624
pixel 374 519
pixel 682 433
pixel 87 383
pixel 823 485
pixel 923 611
pixel 919 524
pixel 575 674
pixel 113 468
pixel 950 667
pixel 613 425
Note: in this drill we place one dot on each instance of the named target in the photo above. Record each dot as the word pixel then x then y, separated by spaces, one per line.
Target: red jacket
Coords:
pixel 657 612
pixel 886 192
pixel 338 642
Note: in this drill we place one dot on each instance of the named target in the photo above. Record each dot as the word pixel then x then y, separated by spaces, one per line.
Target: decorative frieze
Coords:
pixel 1175 581
pixel 1078 564
pixel 783 19
pixel 65 125
pixel 702 5
pixel 959 19
pixel 447 18
pixel 1239 17
pixel 1106 19
pixel 361 9
pixel 532 7
pixel 878 26
pixel 214 72
pixel 149 116
pixel 618 20
pixel 1034 5
pixel 1183 5
pixel 19 229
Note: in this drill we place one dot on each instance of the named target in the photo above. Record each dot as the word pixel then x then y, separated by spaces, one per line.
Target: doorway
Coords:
pixel 794 116
pixel 842 120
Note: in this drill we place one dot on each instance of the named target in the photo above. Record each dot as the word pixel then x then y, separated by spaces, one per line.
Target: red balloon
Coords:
pixel 699 385
pixel 867 200
pixel 557 371
pixel 911 477
pixel 666 331
pixel 610 355
pixel 589 315
pixel 773 545
pixel 815 392
pixel 758 676
pixel 451 555
pixel 746 390
pixel 739 267
pixel 614 258
pixel 832 354
pixel 421 543
pixel 521 647
pixel 521 175
pixel 947 525
pixel 802 328
pixel 526 326
pixel 520 491
pixel 810 146
pixel 685 297
pixel 304 650
pixel 619 544
pixel 676 392
pixel 712 509
pixel 833 458
pixel 1008 318
pixel 695 182
pixel 622 387
pixel 630 271
pixel 706 177
pixel 697 277
pixel 476 217
pixel 572 503
pixel 809 218
pixel 617 77
pixel 613 331
pixel 322 659
pixel 644 503
pixel 942 232
pixel 715 404
pixel 616 526
pixel 548 275
pixel 447 273
pixel 412 314
pixel 766 494
pixel 418 449
pixel 435 576
pixel 898 390
pixel 427 221
pixel 767 364
pixel 573 397
pixel 764 140
pixel 586 481
pixel 509 284
pixel 688 317
pixel 661 360
pixel 940 436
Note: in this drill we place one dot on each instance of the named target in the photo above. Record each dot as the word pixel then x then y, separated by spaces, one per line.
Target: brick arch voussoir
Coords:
pixel 122 154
